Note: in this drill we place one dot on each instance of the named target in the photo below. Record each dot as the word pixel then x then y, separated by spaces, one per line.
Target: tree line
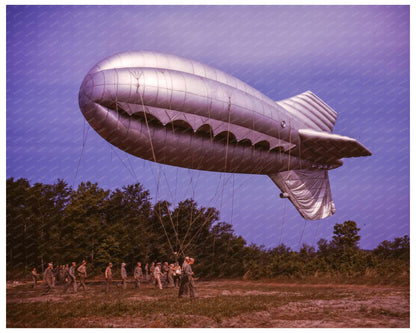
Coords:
pixel 61 224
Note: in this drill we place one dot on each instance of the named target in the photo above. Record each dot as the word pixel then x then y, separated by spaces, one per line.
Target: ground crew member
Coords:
pixel 157 275
pixel 82 270
pixel 54 274
pixel 171 272
pixel 152 272
pixel 61 276
pixel 190 275
pixel 65 273
pixel 177 275
pixel 47 277
pixel 123 275
pixel 185 262
pixel 72 279
pixel 165 271
pixel 138 274
pixel 35 277
pixel 108 277
pixel 183 288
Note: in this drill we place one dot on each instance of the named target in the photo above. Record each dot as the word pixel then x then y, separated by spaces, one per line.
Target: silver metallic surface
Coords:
pixel 176 111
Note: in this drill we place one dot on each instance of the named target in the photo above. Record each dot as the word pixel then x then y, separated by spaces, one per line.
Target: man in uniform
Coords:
pixel 48 276
pixel 185 262
pixel 177 275
pixel 152 273
pixel 108 277
pixel 82 270
pixel 54 275
pixel 72 279
pixel 157 275
pixel 65 273
pixel 165 271
pixel 35 277
pixel 171 273
pixel 190 275
pixel 183 288
pixel 138 274
pixel 61 276
pixel 123 275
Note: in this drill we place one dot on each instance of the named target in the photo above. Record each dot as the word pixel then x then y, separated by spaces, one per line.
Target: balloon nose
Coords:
pixel 90 92
pixel 87 98
pixel 87 87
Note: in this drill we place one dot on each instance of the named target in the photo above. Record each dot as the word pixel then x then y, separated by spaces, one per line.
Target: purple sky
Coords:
pixel 355 58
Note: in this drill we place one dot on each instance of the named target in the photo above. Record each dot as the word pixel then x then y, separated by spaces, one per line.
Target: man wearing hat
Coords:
pixel 157 274
pixel 123 275
pixel 138 274
pixel 72 279
pixel 82 270
pixel 165 272
pixel 35 277
pixel 190 274
pixel 183 287
pixel 108 277
pixel 47 277
pixel 152 273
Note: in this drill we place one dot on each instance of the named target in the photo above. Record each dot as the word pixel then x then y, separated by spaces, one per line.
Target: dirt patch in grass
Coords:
pixel 222 303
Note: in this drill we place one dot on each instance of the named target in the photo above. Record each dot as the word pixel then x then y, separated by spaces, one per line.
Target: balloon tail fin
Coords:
pixel 311 110
pixel 308 190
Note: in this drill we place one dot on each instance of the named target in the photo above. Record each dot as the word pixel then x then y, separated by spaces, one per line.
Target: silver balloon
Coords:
pixel 180 112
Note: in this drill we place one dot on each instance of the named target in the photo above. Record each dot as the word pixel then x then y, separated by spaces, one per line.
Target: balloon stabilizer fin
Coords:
pixel 308 190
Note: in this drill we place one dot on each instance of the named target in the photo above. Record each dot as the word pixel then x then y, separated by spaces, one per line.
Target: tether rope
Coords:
pixel 130 169
pixel 301 236
pixel 158 173
pixel 84 141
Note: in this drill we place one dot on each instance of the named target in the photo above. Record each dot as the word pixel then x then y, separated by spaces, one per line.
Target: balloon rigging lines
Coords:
pixel 84 141
pixel 182 244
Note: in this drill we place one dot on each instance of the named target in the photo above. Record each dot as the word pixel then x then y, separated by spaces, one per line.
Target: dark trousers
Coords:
pixel 69 283
pixel 108 284
pixel 184 286
pixel 48 287
pixel 82 282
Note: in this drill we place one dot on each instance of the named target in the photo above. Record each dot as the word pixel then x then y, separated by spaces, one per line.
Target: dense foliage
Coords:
pixel 61 224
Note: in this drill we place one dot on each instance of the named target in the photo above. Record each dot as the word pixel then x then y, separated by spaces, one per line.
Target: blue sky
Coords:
pixel 355 58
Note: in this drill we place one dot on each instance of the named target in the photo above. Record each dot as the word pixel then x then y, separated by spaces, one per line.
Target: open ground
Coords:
pixel 220 303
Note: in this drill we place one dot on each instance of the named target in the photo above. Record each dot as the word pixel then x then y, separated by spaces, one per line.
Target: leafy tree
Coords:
pixel 254 261
pixel 126 214
pixel 227 252
pixel 345 244
pixel 18 213
pixel 283 262
pixel 193 226
pixel 85 223
pixel 48 203
pixel 57 223
pixel 398 249
pixel 160 235
pixel 393 257
pixel 346 236
pixel 35 219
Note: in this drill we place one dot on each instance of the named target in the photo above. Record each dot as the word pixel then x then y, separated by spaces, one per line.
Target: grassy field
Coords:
pixel 222 303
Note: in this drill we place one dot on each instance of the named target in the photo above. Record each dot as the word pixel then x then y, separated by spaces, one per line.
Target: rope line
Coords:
pixel 316 230
pixel 84 141
pixel 130 169
pixel 283 222
pixel 228 133
pixel 158 171
pixel 187 239
pixel 301 236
